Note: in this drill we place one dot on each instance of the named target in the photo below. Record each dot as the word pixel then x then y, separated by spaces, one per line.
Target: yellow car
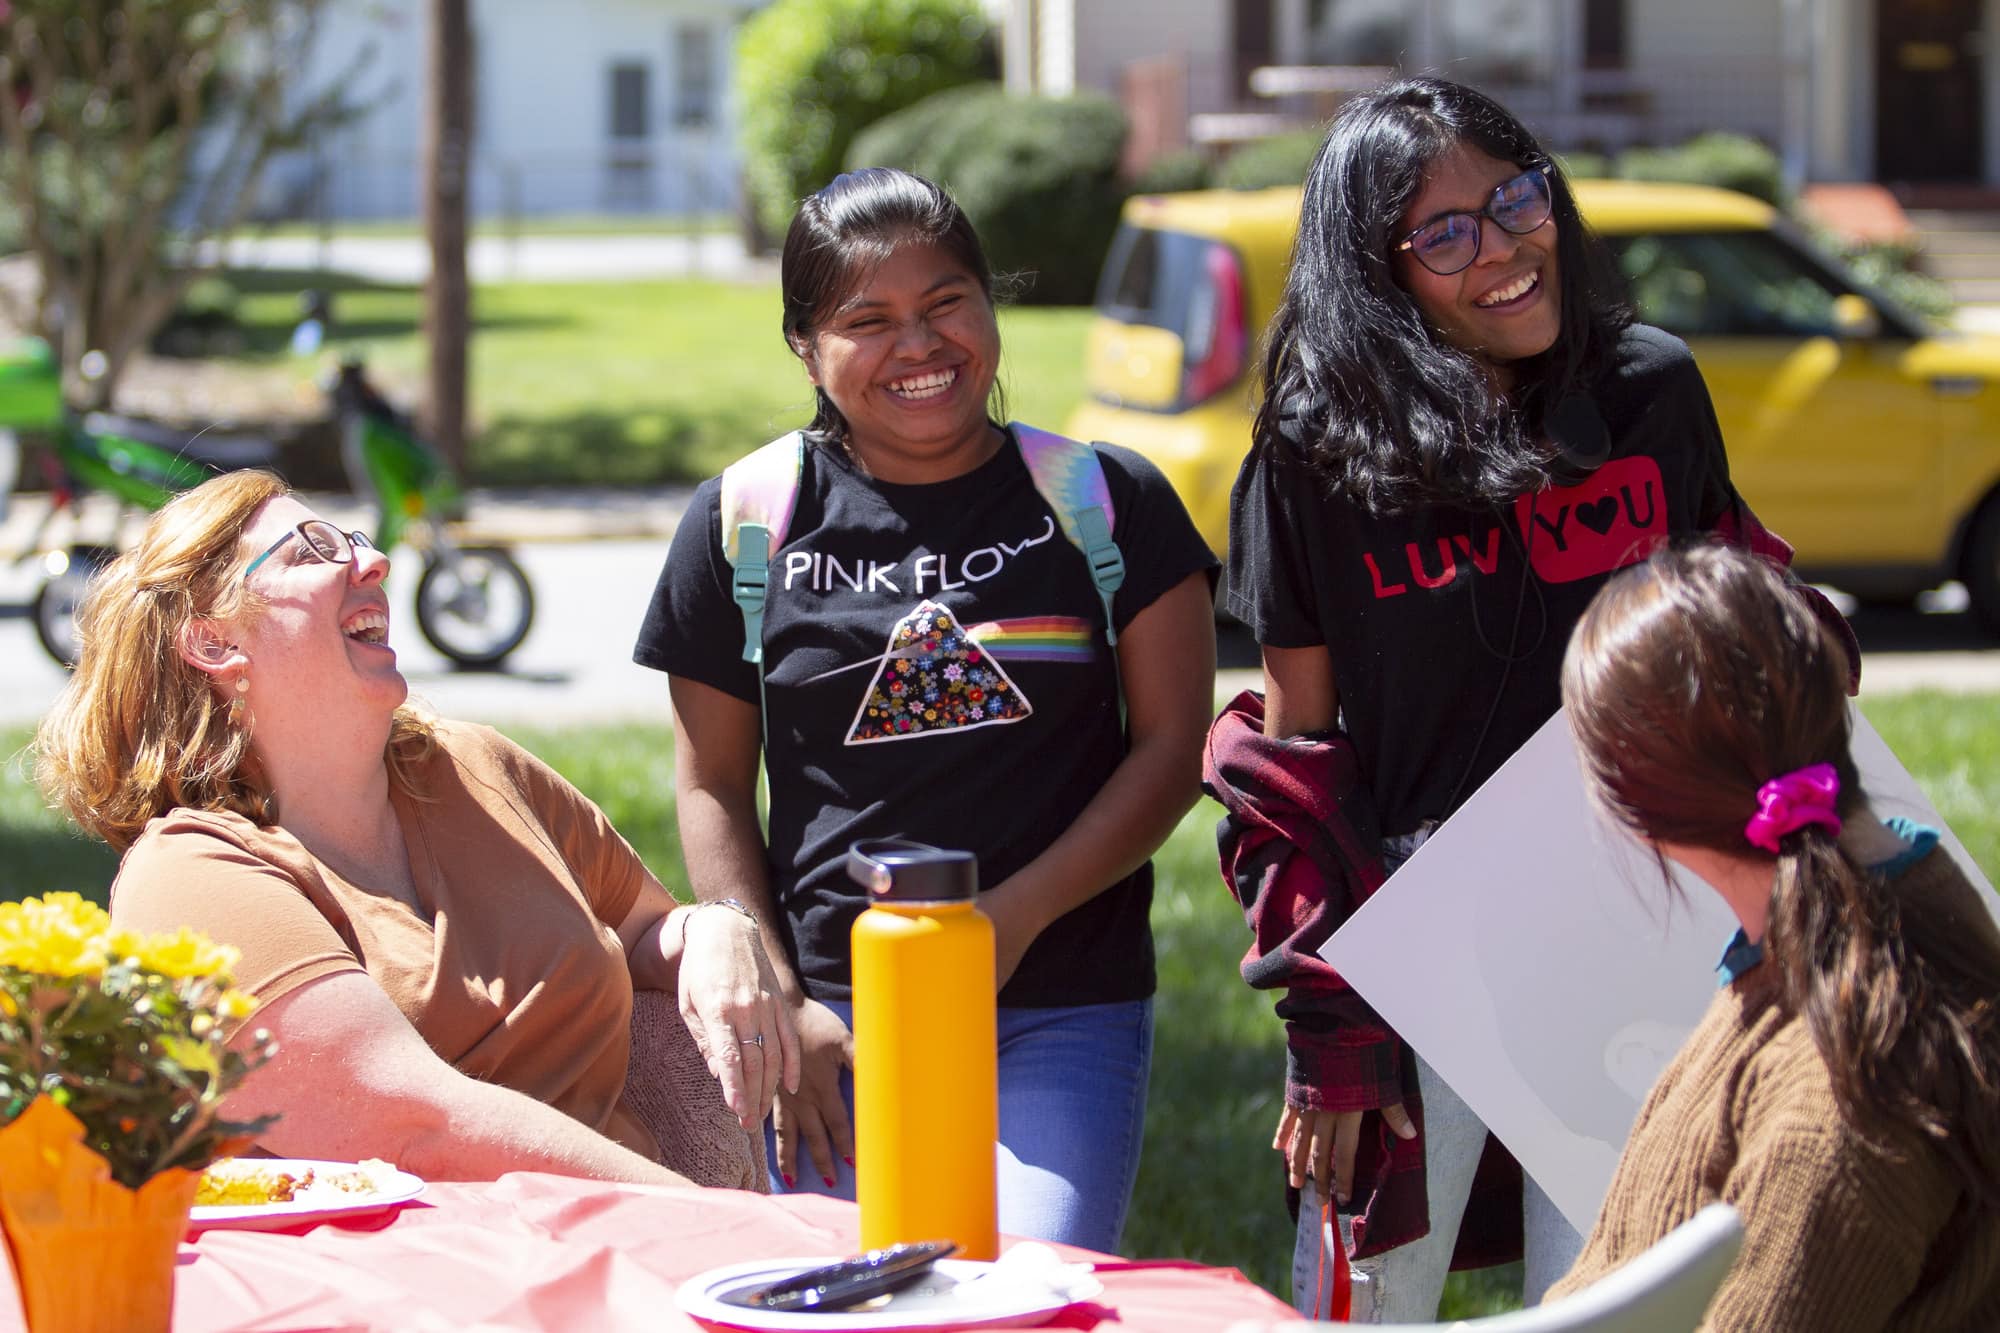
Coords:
pixel 1865 438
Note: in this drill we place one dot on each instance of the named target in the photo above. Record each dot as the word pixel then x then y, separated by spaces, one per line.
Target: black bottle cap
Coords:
pixel 901 871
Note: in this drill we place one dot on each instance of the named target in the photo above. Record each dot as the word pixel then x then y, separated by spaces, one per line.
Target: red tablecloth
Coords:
pixel 533 1251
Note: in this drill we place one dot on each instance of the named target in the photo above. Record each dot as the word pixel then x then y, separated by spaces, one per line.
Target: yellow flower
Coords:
pixel 236 1005
pixel 58 935
pixel 153 1005
pixel 186 954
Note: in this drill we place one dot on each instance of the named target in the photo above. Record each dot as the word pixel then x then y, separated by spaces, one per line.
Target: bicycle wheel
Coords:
pixel 56 602
pixel 10 465
pixel 474 604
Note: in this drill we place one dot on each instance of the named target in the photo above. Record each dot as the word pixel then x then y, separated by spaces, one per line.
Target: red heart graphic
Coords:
pixel 1611 519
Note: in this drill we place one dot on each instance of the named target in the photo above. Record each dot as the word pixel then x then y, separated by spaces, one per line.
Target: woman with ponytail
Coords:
pixel 1843 1090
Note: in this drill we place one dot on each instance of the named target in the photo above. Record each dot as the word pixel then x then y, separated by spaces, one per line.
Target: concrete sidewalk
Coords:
pixel 1977 317
pixel 1932 651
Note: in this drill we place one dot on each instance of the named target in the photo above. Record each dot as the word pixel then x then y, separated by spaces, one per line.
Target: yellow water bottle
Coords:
pixel 926 1100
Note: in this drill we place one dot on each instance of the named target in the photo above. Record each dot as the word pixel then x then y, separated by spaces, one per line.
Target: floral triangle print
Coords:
pixel 934 678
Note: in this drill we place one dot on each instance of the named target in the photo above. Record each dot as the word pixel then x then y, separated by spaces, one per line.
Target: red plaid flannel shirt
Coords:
pixel 1301 850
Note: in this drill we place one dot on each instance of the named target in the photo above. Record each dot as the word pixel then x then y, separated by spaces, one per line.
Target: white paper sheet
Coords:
pixel 1544 970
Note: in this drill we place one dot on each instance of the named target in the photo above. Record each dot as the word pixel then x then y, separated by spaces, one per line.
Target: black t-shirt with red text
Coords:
pixel 1447 627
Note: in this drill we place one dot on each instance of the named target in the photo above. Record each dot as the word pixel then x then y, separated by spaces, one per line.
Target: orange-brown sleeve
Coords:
pixel 604 864
pixel 200 871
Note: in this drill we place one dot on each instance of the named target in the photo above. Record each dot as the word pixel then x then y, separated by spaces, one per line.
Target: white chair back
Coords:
pixel 1665 1290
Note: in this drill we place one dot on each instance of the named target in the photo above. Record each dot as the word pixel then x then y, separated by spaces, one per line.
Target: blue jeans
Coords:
pixel 1072 1115
pixel 1403 1285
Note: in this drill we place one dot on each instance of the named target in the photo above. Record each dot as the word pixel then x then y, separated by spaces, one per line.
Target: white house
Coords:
pixel 1847 90
pixel 582 107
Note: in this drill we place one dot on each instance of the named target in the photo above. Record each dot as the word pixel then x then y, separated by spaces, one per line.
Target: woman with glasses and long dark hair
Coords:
pixel 445 936
pixel 1843 1089
pixel 1462 435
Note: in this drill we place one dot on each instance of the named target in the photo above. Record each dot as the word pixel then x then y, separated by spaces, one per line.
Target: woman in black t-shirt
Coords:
pixel 937 666
pixel 1462 436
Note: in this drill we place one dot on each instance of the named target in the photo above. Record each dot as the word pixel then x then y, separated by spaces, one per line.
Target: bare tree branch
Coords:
pixel 132 137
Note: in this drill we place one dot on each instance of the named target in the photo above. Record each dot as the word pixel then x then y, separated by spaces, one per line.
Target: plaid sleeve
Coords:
pixel 1299 862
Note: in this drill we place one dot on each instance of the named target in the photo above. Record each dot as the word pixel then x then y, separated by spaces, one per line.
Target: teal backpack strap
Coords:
pixel 759 492
pixel 1070 477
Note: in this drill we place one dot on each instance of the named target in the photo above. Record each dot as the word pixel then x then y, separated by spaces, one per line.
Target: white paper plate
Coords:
pixel 958 1293
pixel 394 1187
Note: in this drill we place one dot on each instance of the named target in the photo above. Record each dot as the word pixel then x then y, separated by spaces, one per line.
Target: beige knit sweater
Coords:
pixel 1837 1236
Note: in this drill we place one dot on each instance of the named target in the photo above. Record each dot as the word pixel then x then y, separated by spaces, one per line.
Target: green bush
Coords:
pixel 1917 291
pixel 1281 159
pixel 1583 165
pixel 1731 161
pixel 1175 172
pixel 1893 268
pixel 812 73
pixel 204 323
pixel 1038 176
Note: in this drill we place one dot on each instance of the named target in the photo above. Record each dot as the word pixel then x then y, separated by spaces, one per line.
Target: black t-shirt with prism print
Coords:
pixel 935 669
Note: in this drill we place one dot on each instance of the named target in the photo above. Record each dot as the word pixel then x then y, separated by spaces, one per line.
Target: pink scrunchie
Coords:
pixel 1786 804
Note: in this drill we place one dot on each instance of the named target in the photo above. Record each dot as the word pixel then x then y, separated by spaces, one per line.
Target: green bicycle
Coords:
pixel 95 453
pixel 474 603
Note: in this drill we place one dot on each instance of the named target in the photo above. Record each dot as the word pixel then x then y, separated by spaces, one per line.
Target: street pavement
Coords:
pixel 593 556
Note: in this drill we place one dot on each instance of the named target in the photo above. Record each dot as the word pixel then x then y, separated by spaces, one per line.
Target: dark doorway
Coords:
pixel 1930 109
pixel 1253 40
pixel 1604 34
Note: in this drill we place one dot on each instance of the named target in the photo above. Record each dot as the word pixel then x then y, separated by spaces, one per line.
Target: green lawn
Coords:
pixel 1208 1188
pixel 626 384
pixel 40 850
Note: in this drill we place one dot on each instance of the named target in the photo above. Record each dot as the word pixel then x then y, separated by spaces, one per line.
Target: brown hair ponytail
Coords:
pixel 1690 682
pixel 1894 1002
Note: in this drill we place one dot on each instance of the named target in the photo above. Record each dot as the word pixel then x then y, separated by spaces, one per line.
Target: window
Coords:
pixel 1190 286
pixel 1746 284
pixel 1501 42
pixel 694 76
pixel 1358 32
pixel 629 118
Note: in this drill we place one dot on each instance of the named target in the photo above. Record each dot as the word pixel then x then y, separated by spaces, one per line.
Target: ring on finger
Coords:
pixel 757 1040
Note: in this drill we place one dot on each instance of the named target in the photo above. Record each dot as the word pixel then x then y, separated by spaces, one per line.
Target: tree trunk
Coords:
pixel 447 171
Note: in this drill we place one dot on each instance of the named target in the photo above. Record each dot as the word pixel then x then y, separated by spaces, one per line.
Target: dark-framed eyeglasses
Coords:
pixel 322 541
pixel 1449 244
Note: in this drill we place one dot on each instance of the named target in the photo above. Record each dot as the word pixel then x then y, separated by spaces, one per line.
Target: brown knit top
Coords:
pixel 1837 1235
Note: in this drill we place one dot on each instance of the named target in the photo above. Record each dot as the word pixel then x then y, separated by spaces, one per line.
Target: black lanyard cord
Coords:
pixel 1511 656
